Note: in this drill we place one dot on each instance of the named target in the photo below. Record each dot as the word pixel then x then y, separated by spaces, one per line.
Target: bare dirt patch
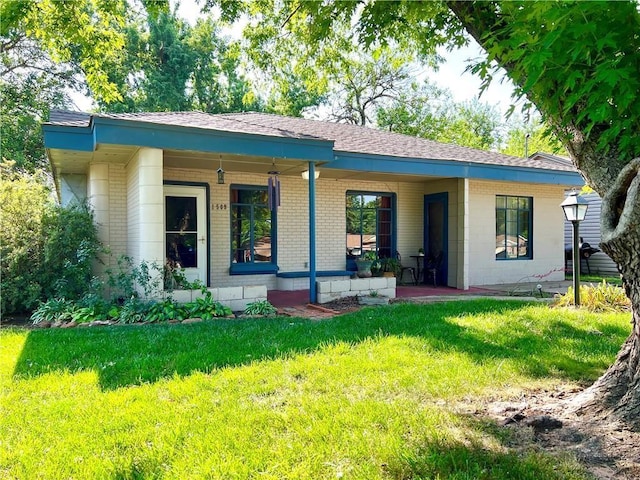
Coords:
pixel 608 449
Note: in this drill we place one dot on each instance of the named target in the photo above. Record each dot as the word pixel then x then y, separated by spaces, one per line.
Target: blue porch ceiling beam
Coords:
pixel 452 168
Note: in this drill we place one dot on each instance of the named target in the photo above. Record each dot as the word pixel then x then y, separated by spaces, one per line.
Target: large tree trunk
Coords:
pixel 618 390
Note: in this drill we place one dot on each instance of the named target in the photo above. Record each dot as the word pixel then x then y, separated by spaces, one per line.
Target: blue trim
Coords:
pixel 442 197
pixel 313 294
pixel 68 138
pixel 252 268
pixel 320 273
pixel 450 168
pixel 207 219
pixel 136 133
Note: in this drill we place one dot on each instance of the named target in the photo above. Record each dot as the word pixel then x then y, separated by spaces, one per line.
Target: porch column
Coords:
pixel 462 270
pixel 313 294
pixel 145 204
pixel 98 199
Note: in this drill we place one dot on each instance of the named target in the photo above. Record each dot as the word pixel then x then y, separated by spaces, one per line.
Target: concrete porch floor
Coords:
pixel 284 299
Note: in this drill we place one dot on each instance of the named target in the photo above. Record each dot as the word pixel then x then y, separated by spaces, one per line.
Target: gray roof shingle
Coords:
pixel 346 137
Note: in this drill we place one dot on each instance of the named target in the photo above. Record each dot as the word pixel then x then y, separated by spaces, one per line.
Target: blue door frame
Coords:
pixel 436 231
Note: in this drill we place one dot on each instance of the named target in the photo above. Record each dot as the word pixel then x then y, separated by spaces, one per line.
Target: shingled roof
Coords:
pixel 347 138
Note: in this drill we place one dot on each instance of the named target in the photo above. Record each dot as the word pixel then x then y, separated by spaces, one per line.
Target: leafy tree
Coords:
pixel 527 139
pixel 429 112
pixel 577 62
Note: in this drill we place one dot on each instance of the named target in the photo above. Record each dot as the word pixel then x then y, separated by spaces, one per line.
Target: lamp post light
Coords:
pixel 575 209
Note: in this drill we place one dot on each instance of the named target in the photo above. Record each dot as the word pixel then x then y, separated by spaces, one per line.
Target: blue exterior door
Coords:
pixel 436 238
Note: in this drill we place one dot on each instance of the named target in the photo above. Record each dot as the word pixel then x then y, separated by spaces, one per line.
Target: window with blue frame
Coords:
pixel 514 227
pixel 253 231
pixel 370 225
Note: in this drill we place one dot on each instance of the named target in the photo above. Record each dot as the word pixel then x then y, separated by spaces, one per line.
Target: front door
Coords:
pixel 436 224
pixel 185 238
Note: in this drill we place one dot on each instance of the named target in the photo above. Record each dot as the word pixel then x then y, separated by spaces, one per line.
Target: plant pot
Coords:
pixel 388 274
pixel 364 268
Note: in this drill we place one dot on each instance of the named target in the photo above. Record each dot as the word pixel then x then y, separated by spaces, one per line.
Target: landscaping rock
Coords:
pixel 100 323
pixel 191 320
pixel 43 325
pixel 57 324
pixel 69 325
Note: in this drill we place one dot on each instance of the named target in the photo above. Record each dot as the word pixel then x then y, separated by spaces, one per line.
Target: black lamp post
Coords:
pixel 575 209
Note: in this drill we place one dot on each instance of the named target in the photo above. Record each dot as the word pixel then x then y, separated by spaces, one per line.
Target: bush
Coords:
pixel 603 297
pixel 46 251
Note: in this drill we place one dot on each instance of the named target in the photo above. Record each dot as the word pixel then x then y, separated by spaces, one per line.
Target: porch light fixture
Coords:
pixel 575 209
pixel 305 174
pixel 220 173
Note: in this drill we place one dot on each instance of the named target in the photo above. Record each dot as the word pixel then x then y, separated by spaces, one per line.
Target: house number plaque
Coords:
pixel 219 206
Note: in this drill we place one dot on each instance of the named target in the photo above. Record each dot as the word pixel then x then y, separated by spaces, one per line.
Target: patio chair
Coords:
pixel 403 268
pixel 431 267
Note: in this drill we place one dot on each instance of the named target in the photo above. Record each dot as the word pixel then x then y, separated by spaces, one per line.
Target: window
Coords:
pixel 514 225
pixel 253 228
pixel 370 225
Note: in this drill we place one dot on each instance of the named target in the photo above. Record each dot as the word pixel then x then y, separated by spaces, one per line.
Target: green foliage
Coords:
pixel 602 297
pixel 164 311
pixel 53 310
pixel 70 249
pixel 25 201
pixel 205 307
pixel 539 139
pixel 47 251
pixel 261 307
pixel 426 111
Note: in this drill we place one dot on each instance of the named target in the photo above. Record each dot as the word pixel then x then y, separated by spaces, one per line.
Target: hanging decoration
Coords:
pixel 220 173
pixel 273 188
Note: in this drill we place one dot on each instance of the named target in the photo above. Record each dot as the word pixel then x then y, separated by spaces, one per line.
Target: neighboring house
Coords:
pixel 153 182
pixel 599 263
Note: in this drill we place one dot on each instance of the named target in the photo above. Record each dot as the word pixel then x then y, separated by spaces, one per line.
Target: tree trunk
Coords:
pixel 618 390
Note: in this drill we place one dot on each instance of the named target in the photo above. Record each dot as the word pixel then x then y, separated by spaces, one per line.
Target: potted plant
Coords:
pixel 390 267
pixel 364 264
pixel 421 252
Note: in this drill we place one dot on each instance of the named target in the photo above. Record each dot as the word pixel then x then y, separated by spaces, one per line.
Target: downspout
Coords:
pixel 313 294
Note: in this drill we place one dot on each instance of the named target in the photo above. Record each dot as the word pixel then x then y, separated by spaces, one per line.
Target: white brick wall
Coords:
pixel 548 234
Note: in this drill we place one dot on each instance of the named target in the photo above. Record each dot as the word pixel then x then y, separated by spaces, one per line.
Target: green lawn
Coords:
pixel 369 395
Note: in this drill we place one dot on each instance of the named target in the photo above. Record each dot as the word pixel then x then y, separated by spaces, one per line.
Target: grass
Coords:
pixel 369 395
pixel 595 279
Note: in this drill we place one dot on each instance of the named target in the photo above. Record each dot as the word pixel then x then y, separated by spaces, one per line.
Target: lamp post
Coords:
pixel 575 209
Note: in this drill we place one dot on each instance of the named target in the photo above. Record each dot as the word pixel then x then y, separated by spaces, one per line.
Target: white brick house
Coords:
pixel 153 183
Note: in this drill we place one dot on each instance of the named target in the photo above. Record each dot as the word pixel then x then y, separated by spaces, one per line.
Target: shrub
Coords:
pixel 602 297
pixel 53 310
pixel 206 307
pixel 24 199
pixel 46 251
pixel 70 248
pixel 262 307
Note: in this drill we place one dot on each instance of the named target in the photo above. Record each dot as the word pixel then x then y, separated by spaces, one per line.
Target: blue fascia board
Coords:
pixel 68 138
pixel 136 133
pixel 451 168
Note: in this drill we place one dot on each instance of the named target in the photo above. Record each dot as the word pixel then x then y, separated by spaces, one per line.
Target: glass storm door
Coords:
pixel 436 225
pixel 185 238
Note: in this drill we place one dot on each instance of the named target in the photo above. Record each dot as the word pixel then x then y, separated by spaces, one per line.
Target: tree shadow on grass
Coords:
pixel 130 355
pixel 494 458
